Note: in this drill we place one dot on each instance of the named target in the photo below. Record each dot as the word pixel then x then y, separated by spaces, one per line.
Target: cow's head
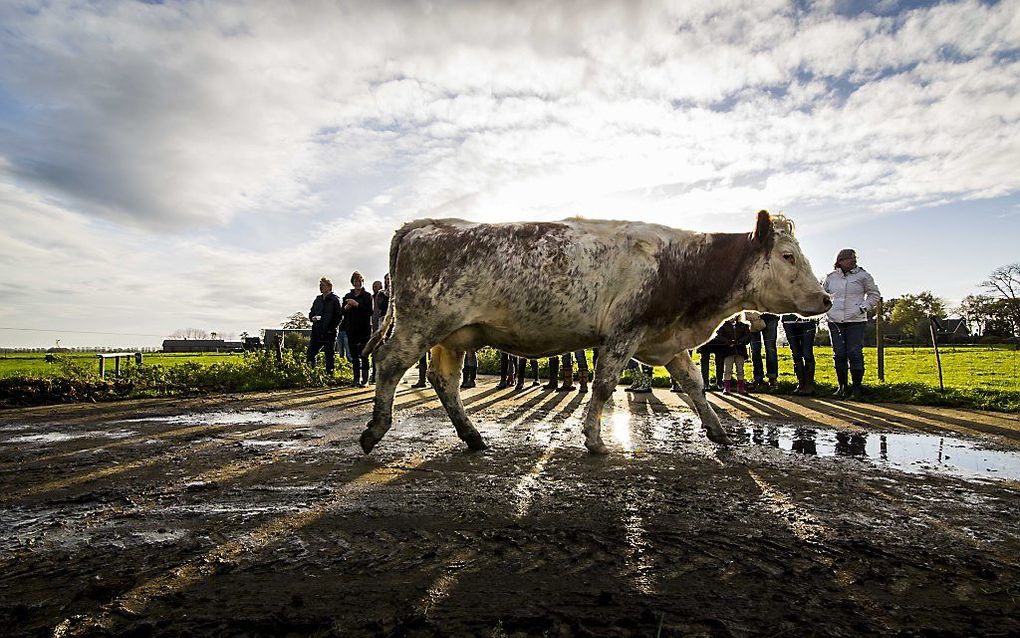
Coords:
pixel 782 280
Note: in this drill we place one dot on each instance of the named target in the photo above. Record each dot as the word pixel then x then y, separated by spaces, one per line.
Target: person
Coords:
pixel 554 374
pixel 380 300
pixel 642 377
pixel 423 368
pixel 470 370
pixel 800 334
pixel 325 315
pixel 737 334
pixel 715 346
pixel 506 370
pixel 767 338
pixel 357 305
pixel 854 294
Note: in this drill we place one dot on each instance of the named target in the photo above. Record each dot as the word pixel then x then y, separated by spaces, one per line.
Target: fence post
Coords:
pixel 935 343
pixel 880 341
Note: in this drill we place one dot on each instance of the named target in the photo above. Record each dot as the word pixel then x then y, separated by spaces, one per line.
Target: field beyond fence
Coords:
pixel 985 377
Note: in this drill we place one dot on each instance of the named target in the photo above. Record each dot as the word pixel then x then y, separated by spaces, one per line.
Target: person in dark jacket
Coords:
pixel 325 316
pixel 737 335
pixel 715 346
pixel 357 305
pixel 380 301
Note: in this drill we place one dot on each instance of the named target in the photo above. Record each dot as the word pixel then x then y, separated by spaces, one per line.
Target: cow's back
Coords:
pixel 539 282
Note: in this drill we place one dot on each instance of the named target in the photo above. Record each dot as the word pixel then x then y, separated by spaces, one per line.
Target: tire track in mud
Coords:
pixel 192 448
pixel 231 553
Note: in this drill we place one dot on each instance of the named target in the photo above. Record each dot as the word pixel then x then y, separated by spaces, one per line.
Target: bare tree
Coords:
pixel 1004 283
pixel 189 333
pixel 298 321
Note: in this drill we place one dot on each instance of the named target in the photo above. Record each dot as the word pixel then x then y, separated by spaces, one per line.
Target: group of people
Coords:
pixel 347 324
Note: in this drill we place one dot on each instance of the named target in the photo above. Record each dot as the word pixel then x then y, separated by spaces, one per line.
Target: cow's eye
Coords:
pixel 789 257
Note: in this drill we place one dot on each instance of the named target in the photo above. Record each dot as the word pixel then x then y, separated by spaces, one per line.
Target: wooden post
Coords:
pixel 935 344
pixel 880 341
pixel 116 366
pixel 102 367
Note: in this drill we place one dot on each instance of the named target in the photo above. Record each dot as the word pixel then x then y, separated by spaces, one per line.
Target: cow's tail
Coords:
pixel 387 322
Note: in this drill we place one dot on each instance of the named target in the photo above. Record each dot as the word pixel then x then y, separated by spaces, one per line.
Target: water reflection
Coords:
pixel 909 451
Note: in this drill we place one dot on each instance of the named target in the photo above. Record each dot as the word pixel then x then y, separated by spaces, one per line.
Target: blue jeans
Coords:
pixel 801 336
pixel 769 336
pixel 848 344
pixel 343 347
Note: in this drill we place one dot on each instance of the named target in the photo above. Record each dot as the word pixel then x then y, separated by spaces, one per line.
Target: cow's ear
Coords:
pixel 763 229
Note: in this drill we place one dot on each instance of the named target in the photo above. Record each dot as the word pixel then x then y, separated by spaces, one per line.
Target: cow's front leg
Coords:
pixel 444 374
pixel 392 359
pixel 682 369
pixel 612 359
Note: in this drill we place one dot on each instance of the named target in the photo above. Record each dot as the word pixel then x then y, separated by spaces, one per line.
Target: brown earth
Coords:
pixel 258 515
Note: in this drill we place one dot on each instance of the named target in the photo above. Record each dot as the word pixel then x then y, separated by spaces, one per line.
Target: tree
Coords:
pixel 911 313
pixel 1004 285
pixel 978 312
pixel 189 333
pixel 298 321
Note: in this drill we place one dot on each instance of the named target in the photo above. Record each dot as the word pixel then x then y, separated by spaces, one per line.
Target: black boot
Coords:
pixel 554 374
pixel 798 370
pixel 422 368
pixel 857 390
pixel 843 391
pixel 469 378
pixel 521 366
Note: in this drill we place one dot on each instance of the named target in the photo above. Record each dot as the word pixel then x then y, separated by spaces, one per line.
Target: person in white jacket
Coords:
pixel 854 294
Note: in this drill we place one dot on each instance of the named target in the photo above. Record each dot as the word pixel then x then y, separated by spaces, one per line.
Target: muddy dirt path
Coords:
pixel 258 515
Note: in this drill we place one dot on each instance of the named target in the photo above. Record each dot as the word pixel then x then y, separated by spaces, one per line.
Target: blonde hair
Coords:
pixel 326 280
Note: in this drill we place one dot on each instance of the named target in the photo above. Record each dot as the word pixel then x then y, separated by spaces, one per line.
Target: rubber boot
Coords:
pixel 726 386
pixel 504 372
pixel 857 389
pixel 521 366
pixel 843 390
pixel 582 376
pixel 469 378
pixel 534 372
pixel 807 388
pixel 741 388
pixel 646 383
pixel 421 377
pixel 568 378
pixel 798 370
pixel 554 374
pixel 636 377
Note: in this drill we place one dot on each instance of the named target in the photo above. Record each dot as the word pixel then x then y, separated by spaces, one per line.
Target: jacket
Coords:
pixel 358 321
pixel 734 335
pixel 853 295
pixel 328 308
pixel 380 301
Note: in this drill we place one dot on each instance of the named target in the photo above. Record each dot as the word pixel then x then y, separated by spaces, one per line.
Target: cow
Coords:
pixel 536 289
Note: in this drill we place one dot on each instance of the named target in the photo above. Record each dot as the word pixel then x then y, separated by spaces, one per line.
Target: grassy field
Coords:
pixel 34 364
pixel 976 376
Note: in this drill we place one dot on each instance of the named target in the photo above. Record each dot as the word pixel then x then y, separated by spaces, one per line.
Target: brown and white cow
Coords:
pixel 537 289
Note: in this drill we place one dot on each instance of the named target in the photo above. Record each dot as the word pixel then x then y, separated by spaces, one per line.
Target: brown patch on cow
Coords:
pixel 695 281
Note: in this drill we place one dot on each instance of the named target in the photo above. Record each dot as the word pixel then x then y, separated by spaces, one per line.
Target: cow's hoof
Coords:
pixel 598 449
pixel 721 438
pixel 475 442
pixel 368 441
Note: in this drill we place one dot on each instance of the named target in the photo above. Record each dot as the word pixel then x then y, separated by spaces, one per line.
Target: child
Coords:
pixel 737 335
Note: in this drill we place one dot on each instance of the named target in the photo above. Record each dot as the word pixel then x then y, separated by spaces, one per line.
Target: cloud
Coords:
pixel 212 144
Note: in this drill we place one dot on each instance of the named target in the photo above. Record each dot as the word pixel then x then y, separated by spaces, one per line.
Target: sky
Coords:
pixel 201 164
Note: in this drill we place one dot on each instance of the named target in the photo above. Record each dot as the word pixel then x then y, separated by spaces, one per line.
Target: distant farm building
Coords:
pixel 201 345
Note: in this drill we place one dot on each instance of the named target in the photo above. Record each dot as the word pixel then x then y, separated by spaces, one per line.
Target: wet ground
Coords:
pixel 258 515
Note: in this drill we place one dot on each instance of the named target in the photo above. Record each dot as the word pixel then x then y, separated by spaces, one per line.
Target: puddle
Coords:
pixel 908 452
pixel 289 417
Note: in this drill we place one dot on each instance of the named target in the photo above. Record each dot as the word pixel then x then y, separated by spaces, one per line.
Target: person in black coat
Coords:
pixel 325 315
pixel 717 346
pixel 357 306
pixel 736 334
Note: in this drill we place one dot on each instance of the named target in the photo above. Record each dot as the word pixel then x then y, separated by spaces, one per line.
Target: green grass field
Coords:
pixel 975 376
pixel 17 364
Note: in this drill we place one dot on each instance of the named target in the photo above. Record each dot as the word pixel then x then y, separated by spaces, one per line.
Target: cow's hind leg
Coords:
pixel 444 374
pixel 682 369
pixel 393 358
pixel 607 373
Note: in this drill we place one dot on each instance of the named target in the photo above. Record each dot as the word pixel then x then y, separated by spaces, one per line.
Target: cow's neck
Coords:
pixel 703 280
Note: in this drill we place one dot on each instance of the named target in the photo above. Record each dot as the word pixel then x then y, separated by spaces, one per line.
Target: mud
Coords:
pixel 259 516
